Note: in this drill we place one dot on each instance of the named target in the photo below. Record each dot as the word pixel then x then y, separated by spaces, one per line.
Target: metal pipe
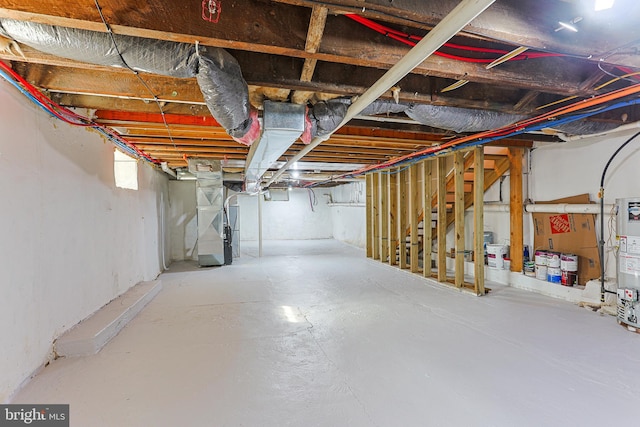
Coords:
pixel 456 20
pixel 550 208
pixel 259 225
pixel 564 208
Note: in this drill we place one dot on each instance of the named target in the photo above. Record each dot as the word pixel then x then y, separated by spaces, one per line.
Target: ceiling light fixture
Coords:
pixel 569 25
pixel 603 5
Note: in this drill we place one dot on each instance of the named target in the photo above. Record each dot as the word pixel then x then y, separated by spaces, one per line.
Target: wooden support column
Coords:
pixel 458 165
pixel 515 208
pixel 369 214
pixel 401 216
pixel 426 193
pixel 392 215
pixel 442 219
pixel 375 199
pixel 384 218
pixel 414 213
pixel 478 220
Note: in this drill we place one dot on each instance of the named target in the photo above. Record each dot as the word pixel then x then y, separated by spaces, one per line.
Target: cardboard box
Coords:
pixel 570 233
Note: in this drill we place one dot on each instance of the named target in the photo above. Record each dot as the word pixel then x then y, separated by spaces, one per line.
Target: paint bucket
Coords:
pixel 553 259
pixel 569 278
pixel 529 269
pixel 569 262
pixel 541 259
pixel 554 274
pixel 495 256
pixel 569 267
pixel 541 272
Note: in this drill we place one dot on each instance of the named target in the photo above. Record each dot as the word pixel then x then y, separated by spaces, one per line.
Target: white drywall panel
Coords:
pixel 286 220
pixel 71 240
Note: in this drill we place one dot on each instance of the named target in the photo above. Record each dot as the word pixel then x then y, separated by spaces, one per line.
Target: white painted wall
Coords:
pixel 568 169
pixel 293 219
pixel 183 221
pixel 575 167
pixel 71 240
pixel 348 213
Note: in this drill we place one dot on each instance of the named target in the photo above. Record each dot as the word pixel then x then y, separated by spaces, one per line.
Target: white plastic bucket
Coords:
pixel 495 256
pixel 541 259
pixel 541 272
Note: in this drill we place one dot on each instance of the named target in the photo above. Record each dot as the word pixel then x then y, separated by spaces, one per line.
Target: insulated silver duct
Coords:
pixel 283 124
pixel 218 73
pixel 328 114
pixel 461 119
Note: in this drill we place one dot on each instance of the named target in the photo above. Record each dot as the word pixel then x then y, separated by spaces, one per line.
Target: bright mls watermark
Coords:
pixel 34 415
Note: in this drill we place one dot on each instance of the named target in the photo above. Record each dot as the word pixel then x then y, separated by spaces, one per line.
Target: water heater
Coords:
pixel 628 260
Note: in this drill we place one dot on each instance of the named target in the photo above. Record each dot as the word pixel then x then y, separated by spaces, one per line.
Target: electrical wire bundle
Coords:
pixel 587 108
pixel 68 116
pixel 412 40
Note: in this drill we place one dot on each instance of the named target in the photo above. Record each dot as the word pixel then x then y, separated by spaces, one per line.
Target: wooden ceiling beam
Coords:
pixel 277 29
pixel 505 20
pixel 314 37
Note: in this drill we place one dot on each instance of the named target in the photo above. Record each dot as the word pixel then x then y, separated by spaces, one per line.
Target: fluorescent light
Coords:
pixel 603 5
pixel 567 26
pixel 295 174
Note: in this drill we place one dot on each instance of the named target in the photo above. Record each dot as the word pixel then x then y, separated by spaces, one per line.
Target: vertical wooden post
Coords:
pixel 375 198
pixel 414 213
pixel 442 219
pixel 427 238
pixel 458 164
pixel 401 217
pixel 369 214
pixel 384 218
pixel 392 214
pixel 478 220
pixel 515 208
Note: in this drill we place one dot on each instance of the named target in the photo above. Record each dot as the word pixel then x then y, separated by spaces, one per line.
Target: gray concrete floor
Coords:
pixel 314 334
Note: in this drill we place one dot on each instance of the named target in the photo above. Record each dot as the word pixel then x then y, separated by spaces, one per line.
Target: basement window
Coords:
pixel 125 170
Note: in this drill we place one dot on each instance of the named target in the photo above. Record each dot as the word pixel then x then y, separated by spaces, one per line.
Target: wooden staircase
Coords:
pixel 496 164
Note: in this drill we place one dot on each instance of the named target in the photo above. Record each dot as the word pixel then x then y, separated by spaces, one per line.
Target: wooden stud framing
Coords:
pixel 458 164
pixel 392 215
pixel 401 218
pixel 442 219
pixel 383 217
pixel 369 214
pixel 425 192
pixel 478 220
pixel 375 198
pixel 414 213
pixel 515 207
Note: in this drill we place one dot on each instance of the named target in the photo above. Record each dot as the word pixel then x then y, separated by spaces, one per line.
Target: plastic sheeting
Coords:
pixel 218 73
